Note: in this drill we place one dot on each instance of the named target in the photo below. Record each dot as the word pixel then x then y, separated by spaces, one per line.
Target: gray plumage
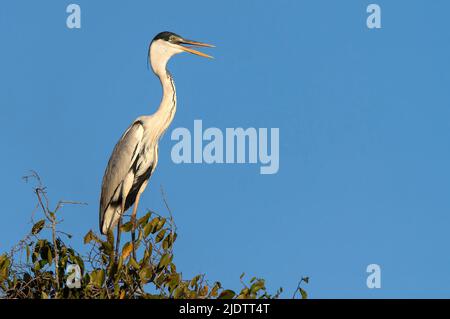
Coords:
pixel 127 164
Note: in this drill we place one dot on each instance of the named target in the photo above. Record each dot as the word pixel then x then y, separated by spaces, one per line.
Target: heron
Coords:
pixel 135 155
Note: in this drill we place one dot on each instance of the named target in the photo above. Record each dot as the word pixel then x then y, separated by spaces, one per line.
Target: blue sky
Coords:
pixel 364 119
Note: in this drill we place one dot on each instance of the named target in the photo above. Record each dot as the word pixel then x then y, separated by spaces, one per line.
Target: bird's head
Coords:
pixel 166 44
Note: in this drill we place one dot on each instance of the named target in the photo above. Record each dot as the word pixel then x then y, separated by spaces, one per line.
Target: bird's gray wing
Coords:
pixel 120 162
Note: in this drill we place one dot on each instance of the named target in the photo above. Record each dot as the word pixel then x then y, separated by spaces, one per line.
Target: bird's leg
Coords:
pixel 119 224
pixel 119 230
pixel 133 220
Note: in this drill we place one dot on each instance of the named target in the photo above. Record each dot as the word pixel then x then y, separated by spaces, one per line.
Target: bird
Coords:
pixel 135 156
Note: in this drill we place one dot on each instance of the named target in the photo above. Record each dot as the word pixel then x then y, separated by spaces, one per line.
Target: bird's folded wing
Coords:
pixel 120 162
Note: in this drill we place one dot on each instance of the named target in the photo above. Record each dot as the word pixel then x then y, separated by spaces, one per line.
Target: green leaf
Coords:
pixel 151 227
pixel 164 261
pixel 107 248
pixel 38 227
pixel 147 230
pixel 37 266
pixel 97 277
pixel 5 263
pixel 178 292
pixel 303 293
pixel 215 289
pixel 194 281
pixel 160 224
pixel 169 240
pixel 258 285
pixel 126 250
pixel 146 274
pixel 244 293
pixel 204 291
pixel 173 281
pixel 28 253
pixel 226 294
pixel 133 263
pixel 144 219
pixel 42 263
pixel 173 268
pixel 160 236
pixel 90 236
pixel 127 227
pixel 49 255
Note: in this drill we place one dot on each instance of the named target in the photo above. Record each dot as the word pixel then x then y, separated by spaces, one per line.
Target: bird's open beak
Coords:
pixel 194 44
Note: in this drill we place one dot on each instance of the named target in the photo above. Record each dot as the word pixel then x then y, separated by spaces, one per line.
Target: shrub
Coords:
pixel 37 266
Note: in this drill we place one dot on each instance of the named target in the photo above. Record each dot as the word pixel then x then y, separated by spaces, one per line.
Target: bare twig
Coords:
pixel 51 216
pixel 41 195
pixel 61 203
pixel 172 221
pixel 299 288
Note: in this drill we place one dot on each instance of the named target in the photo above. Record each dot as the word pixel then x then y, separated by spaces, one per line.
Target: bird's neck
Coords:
pixel 168 106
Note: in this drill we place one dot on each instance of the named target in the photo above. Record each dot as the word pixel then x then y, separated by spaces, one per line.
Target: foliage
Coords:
pixel 36 266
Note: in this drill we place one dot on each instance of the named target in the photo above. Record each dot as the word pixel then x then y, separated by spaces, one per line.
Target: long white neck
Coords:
pixel 168 106
pixel 166 111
